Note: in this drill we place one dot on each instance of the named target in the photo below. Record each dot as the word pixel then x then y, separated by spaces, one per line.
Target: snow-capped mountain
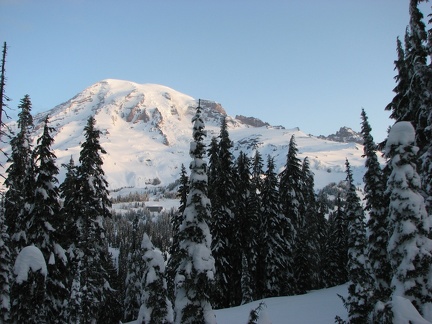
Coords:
pixel 147 130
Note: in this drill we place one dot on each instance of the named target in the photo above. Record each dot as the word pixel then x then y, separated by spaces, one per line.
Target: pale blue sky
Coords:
pixel 307 64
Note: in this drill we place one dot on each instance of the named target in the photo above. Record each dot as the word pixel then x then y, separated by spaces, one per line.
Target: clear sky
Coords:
pixel 308 64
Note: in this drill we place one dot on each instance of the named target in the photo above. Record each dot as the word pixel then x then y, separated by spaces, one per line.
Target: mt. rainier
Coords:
pixel 146 131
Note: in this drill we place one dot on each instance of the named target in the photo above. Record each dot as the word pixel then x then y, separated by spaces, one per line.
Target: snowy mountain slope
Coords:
pixel 147 130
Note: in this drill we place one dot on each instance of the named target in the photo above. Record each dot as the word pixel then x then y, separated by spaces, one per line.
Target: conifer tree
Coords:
pixel 278 246
pixel 196 270
pixel 420 99
pixel 359 290
pixel 336 256
pixel 291 196
pixel 135 270
pixel 176 221
pixel 93 203
pixel 399 106
pixel 247 223
pixel 309 234
pixel 72 231
pixel 28 289
pixel 322 233
pixel 156 307
pixel 213 165
pixel 5 270
pixel 20 180
pixel 223 225
pixel 44 229
pixel 377 206
pixel 256 197
pixel 409 247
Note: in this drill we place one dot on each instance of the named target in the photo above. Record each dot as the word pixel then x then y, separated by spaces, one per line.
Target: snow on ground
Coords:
pixel 316 307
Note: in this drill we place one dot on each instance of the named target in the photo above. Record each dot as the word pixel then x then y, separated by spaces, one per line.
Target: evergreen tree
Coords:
pixel 72 231
pixel 256 198
pixel 278 246
pixel 409 247
pixel 377 206
pixel 223 226
pixel 399 106
pixel 28 289
pixel 309 243
pixel 213 166
pixel 322 211
pixel 20 180
pixel 195 273
pixel 156 307
pixel 291 196
pixel 44 229
pixel 247 222
pixel 93 203
pixel 416 57
pixel 176 221
pixel 358 301
pixel 135 271
pixel 336 255
pixel 5 270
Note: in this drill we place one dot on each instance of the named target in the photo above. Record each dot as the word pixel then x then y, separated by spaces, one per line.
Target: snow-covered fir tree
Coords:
pixel 92 203
pixel 256 190
pixel 291 198
pixel 5 270
pixel 71 230
pixel 45 226
pixel 19 196
pixel 28 289
pixel 359 286
pixel 156 308
pixel 309 234
pixel 399 106
pixel 247 217
pixel 135 270
pixel 223 224
pixel 195 273
pixel 277 248
pixel 409 248
pixel 377 206
pixel 336 251
pixel 176 220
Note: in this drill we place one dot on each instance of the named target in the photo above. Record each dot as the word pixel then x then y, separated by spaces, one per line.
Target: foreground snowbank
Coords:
pixel 316 307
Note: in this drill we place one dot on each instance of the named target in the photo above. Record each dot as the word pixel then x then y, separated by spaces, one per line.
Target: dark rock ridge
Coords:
pixel 251 121
pixel 344 135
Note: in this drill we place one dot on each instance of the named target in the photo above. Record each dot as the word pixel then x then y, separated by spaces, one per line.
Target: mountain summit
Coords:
pixel 147 130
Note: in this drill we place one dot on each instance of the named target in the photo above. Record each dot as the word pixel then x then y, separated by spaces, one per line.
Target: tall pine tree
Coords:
pixel 20 180
pixel 223 225
pixel 359 290
pixel 93 203
pixel 291 196
pixel 377 206
pixel 409 247
pixel 45 226
pixel 156 307
pixel 276 231
pixel 196 270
